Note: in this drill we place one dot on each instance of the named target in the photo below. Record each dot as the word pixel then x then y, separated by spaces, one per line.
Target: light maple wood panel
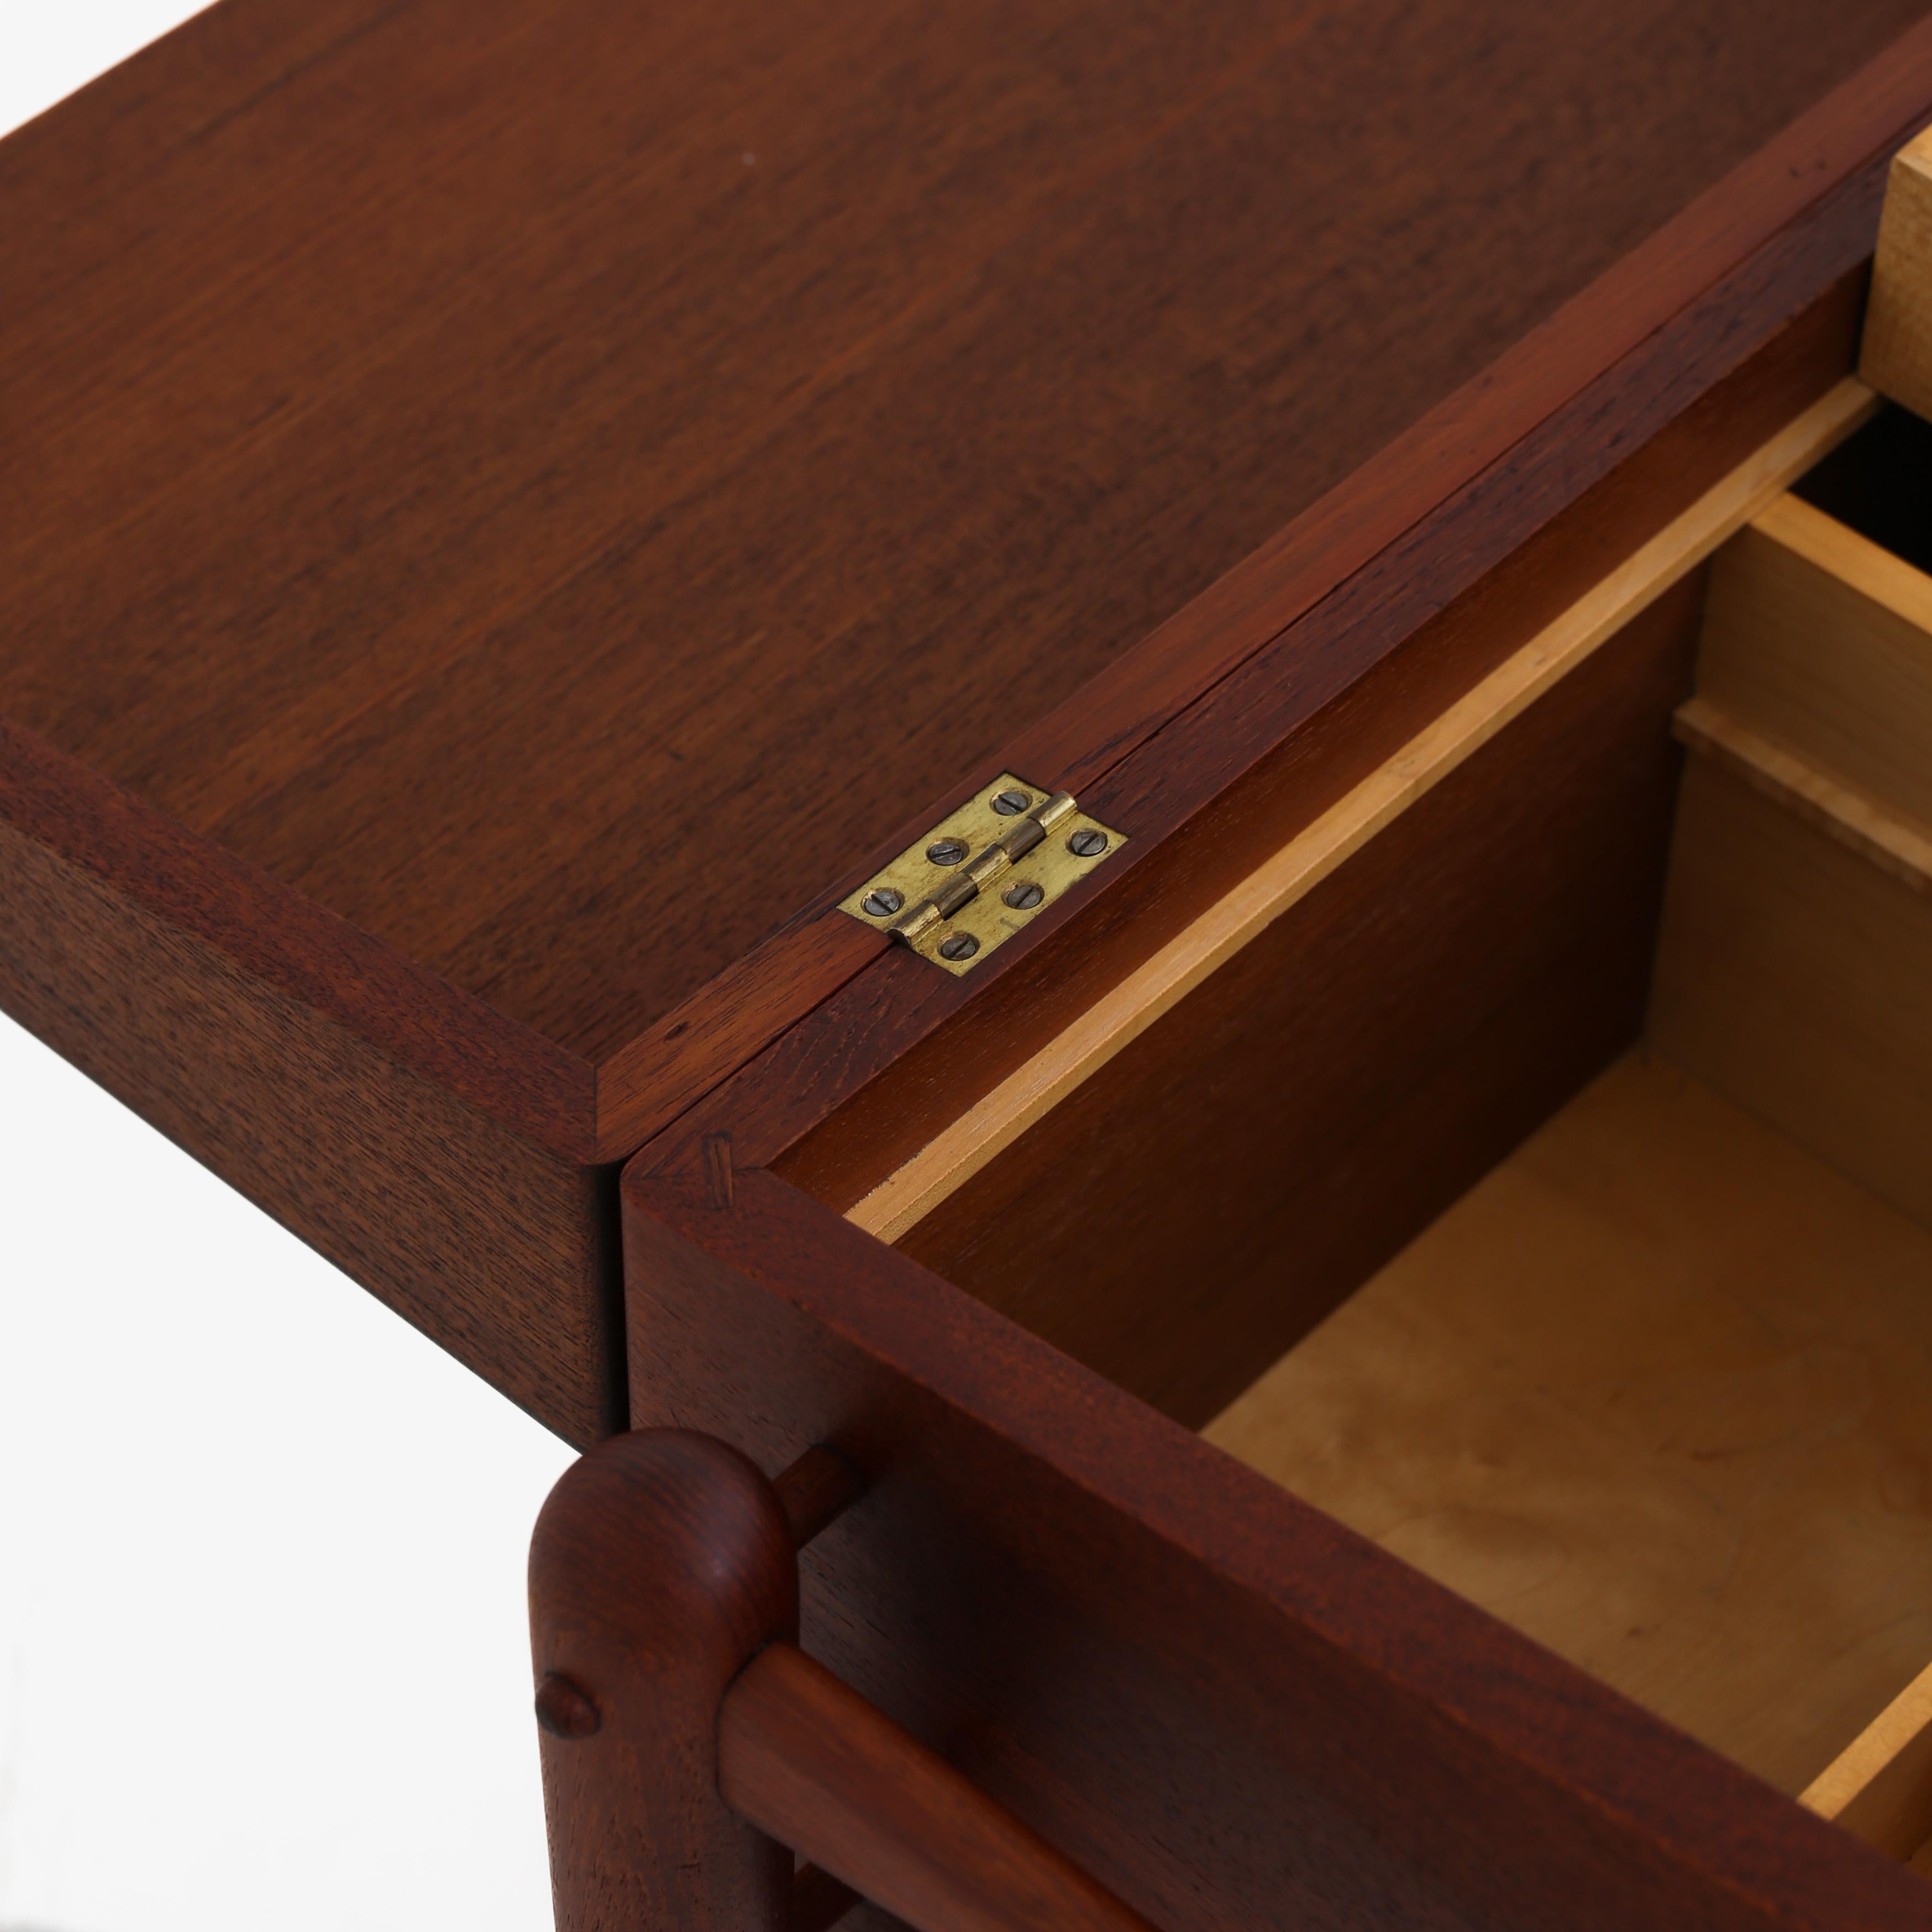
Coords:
pixel 1855 820
pixel 1898 355
pixel 1879 1786
pixel 1817 638
pixel 1791 975
pixel 1656 1393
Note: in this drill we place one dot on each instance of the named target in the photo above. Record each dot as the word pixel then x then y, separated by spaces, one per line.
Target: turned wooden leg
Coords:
pixel 661 1564
pixel 676 1706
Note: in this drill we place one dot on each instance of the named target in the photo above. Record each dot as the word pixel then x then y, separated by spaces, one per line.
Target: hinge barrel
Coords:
pixel 975 877
pixel 990 865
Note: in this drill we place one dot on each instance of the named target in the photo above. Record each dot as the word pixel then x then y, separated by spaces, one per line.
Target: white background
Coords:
pixel 263 1658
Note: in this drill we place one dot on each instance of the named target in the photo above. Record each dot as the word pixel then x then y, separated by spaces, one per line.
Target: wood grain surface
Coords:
pixel 1228 1708
pixel 493 1246
pixel 842 1098
pixel 462 538
pixel 1655 1393
pixel 1214 1191
pixel 488 443
pixel 985 1129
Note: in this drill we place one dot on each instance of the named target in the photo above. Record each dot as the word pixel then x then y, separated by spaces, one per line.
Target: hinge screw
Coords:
pixel 958 946
pixel 946 851
pixel 1024 899
pixel 1086 844
pixel 1011 804
pixel 884 903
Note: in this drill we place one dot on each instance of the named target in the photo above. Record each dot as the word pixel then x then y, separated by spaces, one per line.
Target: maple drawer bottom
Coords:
pixel 1658 1393
pixel 1657 1390
pixel 1534 1171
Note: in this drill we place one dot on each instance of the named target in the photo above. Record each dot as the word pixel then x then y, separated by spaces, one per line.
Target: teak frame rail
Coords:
pixel 690 1747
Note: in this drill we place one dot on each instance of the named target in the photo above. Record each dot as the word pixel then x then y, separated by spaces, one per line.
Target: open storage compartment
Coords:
pixel 1531 1166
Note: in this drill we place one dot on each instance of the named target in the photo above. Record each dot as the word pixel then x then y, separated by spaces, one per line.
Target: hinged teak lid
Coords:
pixel 513 516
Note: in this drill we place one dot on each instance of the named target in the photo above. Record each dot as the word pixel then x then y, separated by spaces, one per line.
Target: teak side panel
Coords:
pixel 1512 963
pixel 696 1044
pixel 1229 1708
pixel 275 939
pixel 499 1252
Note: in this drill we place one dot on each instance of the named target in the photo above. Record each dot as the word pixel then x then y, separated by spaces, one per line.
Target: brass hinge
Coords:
pixel 938 895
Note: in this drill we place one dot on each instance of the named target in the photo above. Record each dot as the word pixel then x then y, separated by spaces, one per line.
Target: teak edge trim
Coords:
pixel 960 1150
pixel 588 1113
pixel 280 936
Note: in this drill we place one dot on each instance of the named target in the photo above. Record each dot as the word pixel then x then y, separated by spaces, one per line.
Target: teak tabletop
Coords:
pixel 511 512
